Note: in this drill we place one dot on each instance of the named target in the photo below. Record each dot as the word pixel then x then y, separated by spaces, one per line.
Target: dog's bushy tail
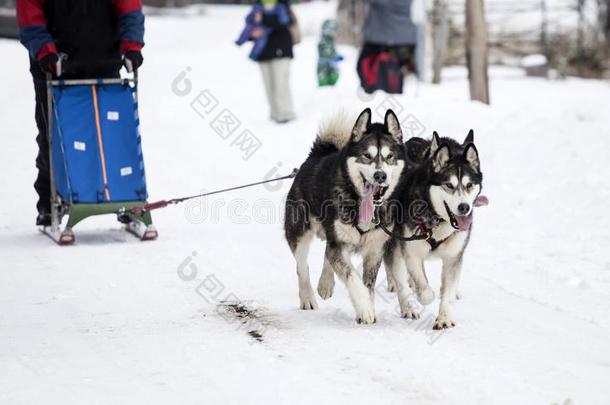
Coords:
pixel 333 135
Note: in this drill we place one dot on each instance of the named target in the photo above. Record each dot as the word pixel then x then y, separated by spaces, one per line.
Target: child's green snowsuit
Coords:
pixel 328 71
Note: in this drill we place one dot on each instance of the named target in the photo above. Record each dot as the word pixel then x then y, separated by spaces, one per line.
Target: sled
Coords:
pixel 96 163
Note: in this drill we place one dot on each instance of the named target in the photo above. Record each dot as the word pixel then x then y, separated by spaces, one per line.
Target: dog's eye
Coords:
pixel 449 186
pixel 367 156
pixel 469 186
pixel 390 157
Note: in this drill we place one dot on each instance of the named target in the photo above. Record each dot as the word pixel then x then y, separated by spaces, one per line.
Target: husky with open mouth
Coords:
pixel 341 194
pixel 437 198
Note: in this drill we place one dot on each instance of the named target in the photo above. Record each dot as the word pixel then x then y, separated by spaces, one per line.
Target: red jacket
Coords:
pixel 84 29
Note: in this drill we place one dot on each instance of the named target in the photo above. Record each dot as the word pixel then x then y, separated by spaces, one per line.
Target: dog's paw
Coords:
pixel 308 301
pixel 366 320
pixel 443 322
pixel 366 317
pixel 326 288
pixel 391 285
pixel 426 296
pixel 409 313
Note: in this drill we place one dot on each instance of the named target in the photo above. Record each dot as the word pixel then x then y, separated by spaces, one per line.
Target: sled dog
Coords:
pixel 438 197
pixel 341 194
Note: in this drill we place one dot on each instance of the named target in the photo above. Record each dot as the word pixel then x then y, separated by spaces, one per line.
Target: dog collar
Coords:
pixel 434 244
pixel 361 231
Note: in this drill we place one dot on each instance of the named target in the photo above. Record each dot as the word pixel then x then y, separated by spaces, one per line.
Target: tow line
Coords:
pixel 139 210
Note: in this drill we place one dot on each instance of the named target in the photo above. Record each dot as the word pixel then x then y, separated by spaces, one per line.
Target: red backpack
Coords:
pixel 381 72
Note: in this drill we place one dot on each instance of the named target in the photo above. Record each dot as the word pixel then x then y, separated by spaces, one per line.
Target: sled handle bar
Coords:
pixel 80 82
pixel 65 66
pixel 73 66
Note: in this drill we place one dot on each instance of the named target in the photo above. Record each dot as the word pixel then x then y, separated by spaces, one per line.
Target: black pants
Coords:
pixel 43 180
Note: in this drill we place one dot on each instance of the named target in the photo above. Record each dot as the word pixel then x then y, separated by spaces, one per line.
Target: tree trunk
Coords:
pixel 544 38
pixel 607 29
pixel 580 42
pixel 441 28
pixel 476 51
pixel 350 20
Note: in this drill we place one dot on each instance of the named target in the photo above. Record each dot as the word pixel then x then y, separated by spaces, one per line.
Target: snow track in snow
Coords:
pixel 115 320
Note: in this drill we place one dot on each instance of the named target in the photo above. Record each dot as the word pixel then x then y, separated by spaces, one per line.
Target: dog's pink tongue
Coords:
pixel 464 221
pixel 481 201
pixel 366 211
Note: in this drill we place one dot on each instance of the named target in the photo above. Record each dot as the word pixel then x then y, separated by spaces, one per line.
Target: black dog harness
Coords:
pixel 431 241
pixel 422 233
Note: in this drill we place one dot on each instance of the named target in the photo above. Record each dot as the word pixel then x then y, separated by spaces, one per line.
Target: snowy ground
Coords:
pixel 114 320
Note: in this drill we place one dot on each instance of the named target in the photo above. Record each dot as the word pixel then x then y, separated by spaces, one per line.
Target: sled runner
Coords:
pixel 95 152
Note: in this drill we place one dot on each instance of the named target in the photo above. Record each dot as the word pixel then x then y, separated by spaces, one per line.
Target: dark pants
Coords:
pixel 43 182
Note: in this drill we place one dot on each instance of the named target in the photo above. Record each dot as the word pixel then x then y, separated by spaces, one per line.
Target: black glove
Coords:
pixel 48 63
pixel 135 58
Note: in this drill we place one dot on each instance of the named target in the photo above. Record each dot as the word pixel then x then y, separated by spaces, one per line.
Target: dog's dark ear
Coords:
pixel 469 138
pixel 393 126
pixel 471 155
pixel 435 143
pixel 362 125
pixel 441 157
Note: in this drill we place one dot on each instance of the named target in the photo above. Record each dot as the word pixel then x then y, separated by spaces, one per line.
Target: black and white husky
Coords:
pixel 438 197
pixel 341 194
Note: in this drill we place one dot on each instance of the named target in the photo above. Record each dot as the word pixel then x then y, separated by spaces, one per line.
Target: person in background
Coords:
pixel 328 70
pixel 270 27
pixel 390 38
pixel 91 35
pixel 253 23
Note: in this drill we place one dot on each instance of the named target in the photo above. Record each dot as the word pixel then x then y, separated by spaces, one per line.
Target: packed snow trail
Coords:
pixel 209 313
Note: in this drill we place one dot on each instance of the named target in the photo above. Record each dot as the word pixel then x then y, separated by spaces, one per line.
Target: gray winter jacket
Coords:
pixel 389 23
